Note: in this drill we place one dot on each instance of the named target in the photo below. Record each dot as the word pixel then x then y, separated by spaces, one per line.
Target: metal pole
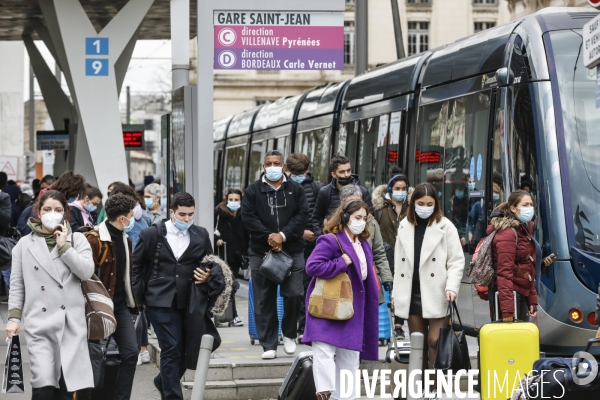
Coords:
pixel 202 367
pixel 397 30
pixel 180 43
pixel 417 340
pixel 31 110
pixel 361 18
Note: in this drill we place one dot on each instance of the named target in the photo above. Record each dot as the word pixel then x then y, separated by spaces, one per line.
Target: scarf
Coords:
pixel 87 217
pixel 36 229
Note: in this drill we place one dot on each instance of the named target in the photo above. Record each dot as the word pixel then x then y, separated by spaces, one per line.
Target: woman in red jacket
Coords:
pixel 514 256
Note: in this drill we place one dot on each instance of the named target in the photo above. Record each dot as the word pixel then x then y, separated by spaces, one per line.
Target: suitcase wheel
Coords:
pixel 252 341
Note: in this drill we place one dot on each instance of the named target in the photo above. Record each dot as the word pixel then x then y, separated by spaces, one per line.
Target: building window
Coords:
pixel 349 42
pixel 260 102
pixel 485 1
pixel 350 1
pixel 418 37
pixel 481 26
pixel 417 1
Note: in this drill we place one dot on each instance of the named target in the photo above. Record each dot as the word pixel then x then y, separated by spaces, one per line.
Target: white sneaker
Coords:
pixel 289 345
pixel 145 355
pixel 139 361
pixel 269 355
pixel 237 321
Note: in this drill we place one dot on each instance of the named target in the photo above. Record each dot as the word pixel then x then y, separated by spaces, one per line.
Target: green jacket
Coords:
pixel 379 257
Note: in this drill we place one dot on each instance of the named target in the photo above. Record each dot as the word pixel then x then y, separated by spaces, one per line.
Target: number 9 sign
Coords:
pixel 96 67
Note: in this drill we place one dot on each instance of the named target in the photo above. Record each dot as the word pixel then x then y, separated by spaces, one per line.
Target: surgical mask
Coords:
pixel 526 214
pixel 149 202
pixel 274 173
pixel 460 195
pixel 52 219
pixel 298 178
pixel 471 185
pixel 495 196
pixel 345 181
pixel 424 212
pixel 71 199
pixel 129 227
pixel 399 195
pixel 357 227
pixel 90 207
pixel 233 205
pixel 182 226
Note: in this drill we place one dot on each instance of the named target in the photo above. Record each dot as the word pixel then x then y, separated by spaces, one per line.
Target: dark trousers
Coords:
pixel 142 330
pixel 168 325
pixel 52 393
pixel 265 302
pixel 126 340
pixel 522 306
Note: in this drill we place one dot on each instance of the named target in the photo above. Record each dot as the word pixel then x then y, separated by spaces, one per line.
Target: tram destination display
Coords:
pixel 278 40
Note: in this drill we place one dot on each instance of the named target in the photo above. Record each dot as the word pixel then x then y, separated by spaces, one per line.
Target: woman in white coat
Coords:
pixel 429 264
pixel 48 266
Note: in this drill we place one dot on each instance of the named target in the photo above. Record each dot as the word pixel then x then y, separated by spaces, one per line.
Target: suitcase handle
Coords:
pixel 393 334
pixel 498 319
pixel 590 343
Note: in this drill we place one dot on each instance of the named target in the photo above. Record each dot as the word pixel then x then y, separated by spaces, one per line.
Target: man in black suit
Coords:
pixel 166 259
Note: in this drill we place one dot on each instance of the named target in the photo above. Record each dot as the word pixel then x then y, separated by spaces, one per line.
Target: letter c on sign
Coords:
pixel 227 37
pixel 227 59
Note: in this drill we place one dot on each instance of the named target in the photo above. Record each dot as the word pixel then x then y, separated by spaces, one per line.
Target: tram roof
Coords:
pixel 242 122
pixel 220 128
pixel 17 15
pixel 321 100
pixel 278 113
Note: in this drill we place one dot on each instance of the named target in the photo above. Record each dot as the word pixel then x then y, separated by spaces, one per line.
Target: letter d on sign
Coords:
pixel 346 383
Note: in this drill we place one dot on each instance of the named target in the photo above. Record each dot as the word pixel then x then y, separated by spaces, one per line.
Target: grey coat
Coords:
pixel 46 287
pixel 379 257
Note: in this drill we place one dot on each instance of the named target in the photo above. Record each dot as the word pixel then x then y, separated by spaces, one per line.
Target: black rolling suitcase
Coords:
pixel 299 384
pixel 111 372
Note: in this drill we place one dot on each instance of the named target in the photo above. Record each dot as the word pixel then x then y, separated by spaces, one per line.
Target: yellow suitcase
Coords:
pixel 507 351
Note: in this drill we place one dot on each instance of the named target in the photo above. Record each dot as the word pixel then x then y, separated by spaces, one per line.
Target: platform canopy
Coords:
pixel 15 18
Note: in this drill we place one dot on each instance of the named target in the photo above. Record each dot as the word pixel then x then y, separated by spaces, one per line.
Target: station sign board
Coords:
pixel 52 140
pixel 591 43
pixel 133 137
pixel 248 40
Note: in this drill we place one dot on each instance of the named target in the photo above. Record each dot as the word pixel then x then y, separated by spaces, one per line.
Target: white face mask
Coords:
pixel 51 220
pixel 357 227
pixel 424 212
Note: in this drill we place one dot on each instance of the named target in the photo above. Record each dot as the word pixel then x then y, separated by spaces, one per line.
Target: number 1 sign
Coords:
pixel 96 46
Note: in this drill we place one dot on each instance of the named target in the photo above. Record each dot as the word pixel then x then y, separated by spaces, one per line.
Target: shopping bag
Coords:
pixel 13 367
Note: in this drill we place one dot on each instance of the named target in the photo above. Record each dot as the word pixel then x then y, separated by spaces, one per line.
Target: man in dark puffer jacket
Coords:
pixel 297 165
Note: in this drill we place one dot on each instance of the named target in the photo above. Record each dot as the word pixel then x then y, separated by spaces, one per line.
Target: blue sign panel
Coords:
pixel 96 46
pixel 479 167
pixel 96 67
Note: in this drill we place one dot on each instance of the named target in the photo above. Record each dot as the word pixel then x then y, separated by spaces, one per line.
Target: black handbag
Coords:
pixel 7 243
pixel 98 360
pixel 276 266
pixel 452 349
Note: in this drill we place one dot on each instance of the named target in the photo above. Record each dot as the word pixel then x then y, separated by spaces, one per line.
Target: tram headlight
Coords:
pixel 576 315
pixel 592 319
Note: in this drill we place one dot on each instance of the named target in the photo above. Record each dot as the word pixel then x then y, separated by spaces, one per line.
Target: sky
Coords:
pixel 149 69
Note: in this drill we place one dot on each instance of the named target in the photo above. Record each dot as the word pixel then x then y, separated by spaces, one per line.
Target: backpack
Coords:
pixel 99 307
pixel 481 268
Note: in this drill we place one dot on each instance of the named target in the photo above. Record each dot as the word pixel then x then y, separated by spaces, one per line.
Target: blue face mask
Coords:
pixel 526 214
pixel 298 178
pixel 149 202
pixel 129 227
pixel 460 195
pixel 91 208
pixel 71 199
pixel 471 185
pixel 496 196
pixel 274 173
pixel 399 195
pixel 182 226
pixel 233 205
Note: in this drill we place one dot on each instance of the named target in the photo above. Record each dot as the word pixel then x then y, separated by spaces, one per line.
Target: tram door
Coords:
pixel 452 155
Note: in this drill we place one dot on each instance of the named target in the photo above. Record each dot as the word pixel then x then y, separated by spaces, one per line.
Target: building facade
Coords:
pixel 521 8
pixel 426 24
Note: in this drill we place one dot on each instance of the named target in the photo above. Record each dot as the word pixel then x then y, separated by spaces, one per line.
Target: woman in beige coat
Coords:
pixel 429 264
pixel 48 266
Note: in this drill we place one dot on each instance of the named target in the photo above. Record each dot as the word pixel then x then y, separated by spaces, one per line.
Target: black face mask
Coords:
pixel 345 181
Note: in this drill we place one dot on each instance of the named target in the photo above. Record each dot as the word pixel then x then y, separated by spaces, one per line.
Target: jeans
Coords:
pixel 265 302
pixel 6 276
pixel 168 325
pixel 126 340
pixel 142 330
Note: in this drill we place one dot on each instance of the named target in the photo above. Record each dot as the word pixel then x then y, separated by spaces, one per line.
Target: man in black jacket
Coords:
pixel 275 213
pixel 328 199
pixel 297 165
pixel 166 259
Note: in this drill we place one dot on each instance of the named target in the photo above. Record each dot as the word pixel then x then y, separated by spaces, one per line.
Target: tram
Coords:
pixel 509 107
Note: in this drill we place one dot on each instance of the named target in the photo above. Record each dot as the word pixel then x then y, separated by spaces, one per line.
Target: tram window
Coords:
pixel 315 144
pixel 349 145
pixel 433 138
pixel 259 150
pixel 367 152
pixel 388 136
pixel 235 168
pixel 284 144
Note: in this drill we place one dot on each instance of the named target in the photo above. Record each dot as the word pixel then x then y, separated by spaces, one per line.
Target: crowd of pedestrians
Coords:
pixel 158 268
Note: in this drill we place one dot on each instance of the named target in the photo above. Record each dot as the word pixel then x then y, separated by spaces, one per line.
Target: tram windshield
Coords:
pixel 581 118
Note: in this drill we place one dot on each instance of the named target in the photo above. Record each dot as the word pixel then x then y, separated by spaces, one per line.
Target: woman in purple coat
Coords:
pixel 339 345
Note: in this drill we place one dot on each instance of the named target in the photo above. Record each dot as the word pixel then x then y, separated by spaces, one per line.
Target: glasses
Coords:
pixel 46 210
pixel 274 206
